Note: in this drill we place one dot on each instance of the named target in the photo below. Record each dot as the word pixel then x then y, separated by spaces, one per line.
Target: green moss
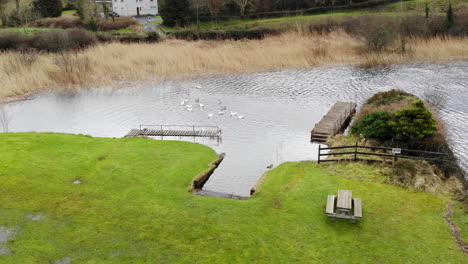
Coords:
pixel 134 207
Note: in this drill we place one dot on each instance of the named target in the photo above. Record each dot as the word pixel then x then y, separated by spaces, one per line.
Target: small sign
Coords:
pixel 396 150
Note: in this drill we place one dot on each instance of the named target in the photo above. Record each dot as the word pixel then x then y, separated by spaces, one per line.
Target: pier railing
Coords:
pixel 355 153
pixel 338 124
pixel 193 128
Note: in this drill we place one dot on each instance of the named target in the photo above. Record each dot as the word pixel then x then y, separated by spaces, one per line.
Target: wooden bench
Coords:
pixel 330 205
pixel 357 204
pixel 344 206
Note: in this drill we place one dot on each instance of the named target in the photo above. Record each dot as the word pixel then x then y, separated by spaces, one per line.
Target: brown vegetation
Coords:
pixel 109 63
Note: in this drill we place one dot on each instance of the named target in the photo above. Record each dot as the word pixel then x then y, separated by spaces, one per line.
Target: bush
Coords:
pixel 388 97
pixel 48 8
pixel 51 41
pixel 375 126
pixel 176 12
pixel 413 123
pixel 104 37
pixel 378 33
pixel 152 36
pixel 119 23
pixel 258 33
pixel 81 39
pixel 21 17
pixel 13 40
pixel 59 22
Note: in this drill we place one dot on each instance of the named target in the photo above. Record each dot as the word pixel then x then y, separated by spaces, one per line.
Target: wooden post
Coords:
pixel 355 152
pixel 320 147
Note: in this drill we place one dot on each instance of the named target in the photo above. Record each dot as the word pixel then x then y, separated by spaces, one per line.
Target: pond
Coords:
pixel 279 108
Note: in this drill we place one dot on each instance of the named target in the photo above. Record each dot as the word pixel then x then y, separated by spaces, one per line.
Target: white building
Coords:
pixel 135 7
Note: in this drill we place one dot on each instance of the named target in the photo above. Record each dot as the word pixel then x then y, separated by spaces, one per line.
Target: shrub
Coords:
pixel 104 37
pixel 176 12
pixel 378 33
pixel 119 23
pixel 258 33
pixel 81 39
pixel 22 17
pixel 48 8
pixel 388 97
pixel 14 40
pixel 152 36
pixel 375 126
pixel 52 41
pixel 59 22
pixel 55 41
pixel 413 123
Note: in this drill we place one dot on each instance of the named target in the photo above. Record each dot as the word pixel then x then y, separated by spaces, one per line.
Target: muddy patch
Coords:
pixel 64 260
pixel 40 216
pixel 7 233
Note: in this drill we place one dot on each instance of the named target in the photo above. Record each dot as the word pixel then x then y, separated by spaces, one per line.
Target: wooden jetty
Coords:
pixel 333 122
pixel 175 131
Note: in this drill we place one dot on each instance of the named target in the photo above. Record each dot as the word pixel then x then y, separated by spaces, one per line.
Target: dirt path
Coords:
pixel 455 229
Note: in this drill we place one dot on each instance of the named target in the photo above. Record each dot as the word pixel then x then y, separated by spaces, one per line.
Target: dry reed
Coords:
pixel 108 63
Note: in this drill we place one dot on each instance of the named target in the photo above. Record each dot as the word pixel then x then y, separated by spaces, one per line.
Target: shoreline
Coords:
pixel 123 84
pixel 109 64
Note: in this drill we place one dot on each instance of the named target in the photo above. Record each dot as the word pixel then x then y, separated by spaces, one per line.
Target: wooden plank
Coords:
pixel 179 133
pixel 357 207
pixel 344 201
pixel 343 216
pixel 330 204
pixel 333 121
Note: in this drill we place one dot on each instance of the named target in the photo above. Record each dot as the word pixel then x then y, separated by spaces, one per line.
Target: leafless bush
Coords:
pixel 20 60
pixel 119 23
pixel 59 22
pixel 378 33
pixel 73 70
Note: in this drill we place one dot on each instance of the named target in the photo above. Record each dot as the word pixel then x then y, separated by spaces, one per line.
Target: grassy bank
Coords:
pixel 133 206
pixel 108 63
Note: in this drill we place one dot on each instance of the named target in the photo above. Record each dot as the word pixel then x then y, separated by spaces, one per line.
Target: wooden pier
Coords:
pixel 175 131
pixel 335 121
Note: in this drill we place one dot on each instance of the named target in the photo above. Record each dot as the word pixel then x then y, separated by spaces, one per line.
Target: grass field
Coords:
pixel 133 206
pixel 395 9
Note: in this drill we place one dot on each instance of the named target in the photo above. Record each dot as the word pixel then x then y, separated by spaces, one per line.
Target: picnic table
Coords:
pixel 344 206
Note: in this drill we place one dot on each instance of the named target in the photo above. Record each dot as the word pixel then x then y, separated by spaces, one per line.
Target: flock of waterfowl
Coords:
pixel 222 108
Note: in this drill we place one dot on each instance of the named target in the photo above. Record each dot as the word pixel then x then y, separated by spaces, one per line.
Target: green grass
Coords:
pixel 68 12
pixel 134 207
pixel 26 30
pixel 276 22
pixel 420 5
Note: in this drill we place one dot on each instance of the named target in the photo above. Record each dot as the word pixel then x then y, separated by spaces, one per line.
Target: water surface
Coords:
pixel 280 109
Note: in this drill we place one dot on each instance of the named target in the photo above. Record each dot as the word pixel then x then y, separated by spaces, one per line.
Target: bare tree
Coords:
pixel 215 7
pixel 243 4
pixel 3 8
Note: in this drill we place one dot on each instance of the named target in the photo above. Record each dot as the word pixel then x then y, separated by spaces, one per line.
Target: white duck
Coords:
pixel 210 115
pixel 240 117
pixel 233 113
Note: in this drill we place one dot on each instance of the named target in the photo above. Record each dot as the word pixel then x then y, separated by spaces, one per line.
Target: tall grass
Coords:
pixel 106 64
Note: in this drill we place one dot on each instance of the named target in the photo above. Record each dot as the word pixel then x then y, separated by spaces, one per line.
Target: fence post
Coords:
pixel 355 152
pixel 320 147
